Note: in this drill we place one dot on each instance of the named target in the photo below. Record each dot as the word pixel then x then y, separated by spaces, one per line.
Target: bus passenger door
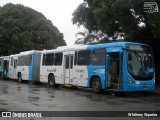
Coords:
pixel 6 67
pixel 113 71
pixel 68 69
pixel 1 67
pixel 15 69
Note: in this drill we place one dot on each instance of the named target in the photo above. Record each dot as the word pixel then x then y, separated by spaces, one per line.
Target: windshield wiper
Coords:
pixel 138 57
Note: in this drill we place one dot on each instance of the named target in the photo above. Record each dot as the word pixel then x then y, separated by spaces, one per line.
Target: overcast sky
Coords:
pixel 58 11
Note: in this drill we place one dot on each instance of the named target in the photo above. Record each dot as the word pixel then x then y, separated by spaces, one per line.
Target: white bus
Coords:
pixel 25 66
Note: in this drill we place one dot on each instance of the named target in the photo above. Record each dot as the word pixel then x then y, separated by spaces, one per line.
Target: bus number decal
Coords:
pixel 99 71
pixel 51 70
pixel 80 70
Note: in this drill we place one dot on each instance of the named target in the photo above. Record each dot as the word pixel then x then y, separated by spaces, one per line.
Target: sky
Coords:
pixel 58 11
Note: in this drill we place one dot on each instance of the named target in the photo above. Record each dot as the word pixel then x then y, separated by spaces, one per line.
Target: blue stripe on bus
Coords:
pixel 31 68
pixel 30 73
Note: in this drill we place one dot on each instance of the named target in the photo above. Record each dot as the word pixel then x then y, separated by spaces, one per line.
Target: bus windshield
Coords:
pixel 140 63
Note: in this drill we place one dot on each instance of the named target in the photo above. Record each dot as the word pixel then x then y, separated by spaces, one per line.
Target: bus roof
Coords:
pixel 5 57
pixel 66 48
pixel 84 47
pixel 102 45
pixel 112 44
pixel 28 52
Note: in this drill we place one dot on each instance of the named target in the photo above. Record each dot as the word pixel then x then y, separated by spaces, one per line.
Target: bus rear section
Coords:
pixel 25 66
pixel 4 67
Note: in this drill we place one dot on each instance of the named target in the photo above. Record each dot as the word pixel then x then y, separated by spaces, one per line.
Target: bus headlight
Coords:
pixel 154 81
pixel 130 81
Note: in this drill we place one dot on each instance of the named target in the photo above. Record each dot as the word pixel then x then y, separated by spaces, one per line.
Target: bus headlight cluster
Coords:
pixel 130 81
pixel 154 81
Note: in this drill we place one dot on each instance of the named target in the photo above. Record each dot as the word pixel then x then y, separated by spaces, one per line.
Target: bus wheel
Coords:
pixel 19 77
pixel 96 85
pixel 51 80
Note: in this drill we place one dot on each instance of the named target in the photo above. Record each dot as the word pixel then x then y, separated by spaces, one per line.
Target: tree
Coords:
pixel 86 38
pixel 110 16
pixel 122 16
pixel 22 29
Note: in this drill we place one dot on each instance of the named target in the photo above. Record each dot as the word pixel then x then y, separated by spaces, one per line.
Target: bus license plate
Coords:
pixel 144 88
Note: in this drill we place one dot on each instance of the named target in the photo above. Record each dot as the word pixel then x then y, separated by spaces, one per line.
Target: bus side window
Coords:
pixel 49 59
pixel 75 58
pixel 15 63
pixel 28 60
pixel 11 64
pixel 84 57
pixel 71 64
pixel 98 57
pixel 21 61
pixel 43 59
pixel 58 59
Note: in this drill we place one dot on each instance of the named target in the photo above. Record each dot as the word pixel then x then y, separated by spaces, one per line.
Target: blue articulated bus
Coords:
pixel 118 66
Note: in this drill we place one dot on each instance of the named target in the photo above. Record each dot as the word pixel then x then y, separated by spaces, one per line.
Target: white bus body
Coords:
pixel 65 72
pixel 13 66
pixel 25 66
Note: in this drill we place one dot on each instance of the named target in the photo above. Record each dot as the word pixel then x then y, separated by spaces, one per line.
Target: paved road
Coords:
pixel 27 97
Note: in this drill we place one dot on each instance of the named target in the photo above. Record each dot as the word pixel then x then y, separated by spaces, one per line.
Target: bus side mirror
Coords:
pixel 129 56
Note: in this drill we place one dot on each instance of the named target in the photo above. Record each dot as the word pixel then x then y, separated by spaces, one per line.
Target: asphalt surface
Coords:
pixel 27 97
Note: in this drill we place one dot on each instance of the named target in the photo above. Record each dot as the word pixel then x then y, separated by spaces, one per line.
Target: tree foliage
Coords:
pixel 112 16
pixel 22 28
pixel 123 16
pixel 86 38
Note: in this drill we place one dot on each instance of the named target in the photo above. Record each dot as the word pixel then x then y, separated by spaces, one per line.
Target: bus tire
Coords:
pixel 96 85
pixel 19 78
pixel 51 80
